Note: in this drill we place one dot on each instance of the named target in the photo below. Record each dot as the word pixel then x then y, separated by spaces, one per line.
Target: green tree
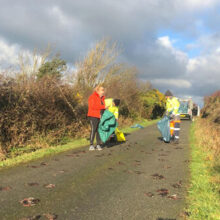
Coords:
pixel 154 104
pixel 53 68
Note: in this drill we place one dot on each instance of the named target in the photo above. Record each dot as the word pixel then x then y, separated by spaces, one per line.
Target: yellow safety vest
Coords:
pixel 113 109
pixel 173 105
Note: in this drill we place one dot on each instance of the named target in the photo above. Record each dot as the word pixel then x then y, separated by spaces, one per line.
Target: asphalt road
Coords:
pixel 120 182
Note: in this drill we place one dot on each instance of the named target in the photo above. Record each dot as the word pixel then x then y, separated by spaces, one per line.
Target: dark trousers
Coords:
pixel 177 127
pixel 94 123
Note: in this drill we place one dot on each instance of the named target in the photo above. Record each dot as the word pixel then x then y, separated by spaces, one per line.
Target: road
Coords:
pixel 120 182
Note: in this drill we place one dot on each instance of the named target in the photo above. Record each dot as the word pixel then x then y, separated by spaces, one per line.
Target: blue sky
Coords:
pixel 181 42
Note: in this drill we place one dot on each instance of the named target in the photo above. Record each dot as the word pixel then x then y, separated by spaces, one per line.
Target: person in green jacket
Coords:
pixel 107 125
pixel 113 106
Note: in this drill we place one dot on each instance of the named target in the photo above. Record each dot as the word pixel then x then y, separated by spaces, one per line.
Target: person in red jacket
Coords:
pixel 96 109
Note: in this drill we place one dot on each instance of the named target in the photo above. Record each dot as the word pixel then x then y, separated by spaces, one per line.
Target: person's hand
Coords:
pixel 172 116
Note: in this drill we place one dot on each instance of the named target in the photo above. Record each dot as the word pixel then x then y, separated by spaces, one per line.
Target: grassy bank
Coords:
pixel 74 144
pixel 203 201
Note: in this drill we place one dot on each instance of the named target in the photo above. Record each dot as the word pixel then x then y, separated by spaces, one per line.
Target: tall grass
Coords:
pixel 204 199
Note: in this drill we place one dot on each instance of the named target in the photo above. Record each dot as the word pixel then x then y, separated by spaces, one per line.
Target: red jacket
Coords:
pixel 96 104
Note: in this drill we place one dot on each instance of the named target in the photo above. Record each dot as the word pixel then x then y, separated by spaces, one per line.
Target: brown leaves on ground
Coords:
pixel 27 202
pixel 36 217
pixel 177 185
pixel 158 176
pixel 6 188
pixel 49 186
pixel 51 216
pixel 163 192
pixel 174 197
pixel 149 194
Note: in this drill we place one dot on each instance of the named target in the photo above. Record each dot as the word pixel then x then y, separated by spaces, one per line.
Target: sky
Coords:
pixel 175 44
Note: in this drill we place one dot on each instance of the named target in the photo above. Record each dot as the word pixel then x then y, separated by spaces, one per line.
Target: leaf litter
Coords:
pixel 177 185
pixel 27 202
pixel 163 192
pixel 149 194
pixel 49 186
pixel 158 176
pixel 6 188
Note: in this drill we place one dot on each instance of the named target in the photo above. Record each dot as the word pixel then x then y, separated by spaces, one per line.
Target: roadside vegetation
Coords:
pixel 204 193
pixel 44 104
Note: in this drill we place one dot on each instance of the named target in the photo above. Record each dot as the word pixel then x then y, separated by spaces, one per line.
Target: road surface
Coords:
pixel 143 178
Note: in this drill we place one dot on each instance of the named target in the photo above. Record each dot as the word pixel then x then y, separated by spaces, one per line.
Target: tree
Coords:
pixel 53 68
pixel 97 65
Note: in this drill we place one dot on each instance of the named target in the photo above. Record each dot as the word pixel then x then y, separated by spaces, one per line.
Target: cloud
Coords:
pixel 72 27
pixel 172 83
pixel 8 54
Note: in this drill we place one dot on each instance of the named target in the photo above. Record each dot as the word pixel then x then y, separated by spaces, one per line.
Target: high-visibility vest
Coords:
pixel 169 105
pixel 113 109
pixel 172 124
pixel 172 105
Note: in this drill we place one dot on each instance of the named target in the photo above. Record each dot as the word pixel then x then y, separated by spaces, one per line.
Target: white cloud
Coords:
pixel 172 83
pixel 198 4
pixel 167 43
pixel 8 53
pixel 9 57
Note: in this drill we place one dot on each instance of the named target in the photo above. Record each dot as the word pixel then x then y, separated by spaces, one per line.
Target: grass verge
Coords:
pixel 203 201
pixel 74 144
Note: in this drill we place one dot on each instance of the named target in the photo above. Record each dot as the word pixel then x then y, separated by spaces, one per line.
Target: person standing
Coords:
pixel 96 106
pixel 172 107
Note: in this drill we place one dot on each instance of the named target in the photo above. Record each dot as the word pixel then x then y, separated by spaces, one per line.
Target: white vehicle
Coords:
pixel 186 108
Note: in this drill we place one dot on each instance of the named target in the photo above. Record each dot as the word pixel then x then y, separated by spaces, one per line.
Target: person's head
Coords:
pixel 116 102
pixel 169 97
pixel 100 90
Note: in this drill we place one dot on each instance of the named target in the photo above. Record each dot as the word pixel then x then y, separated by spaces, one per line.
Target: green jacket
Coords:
pixel 107 125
